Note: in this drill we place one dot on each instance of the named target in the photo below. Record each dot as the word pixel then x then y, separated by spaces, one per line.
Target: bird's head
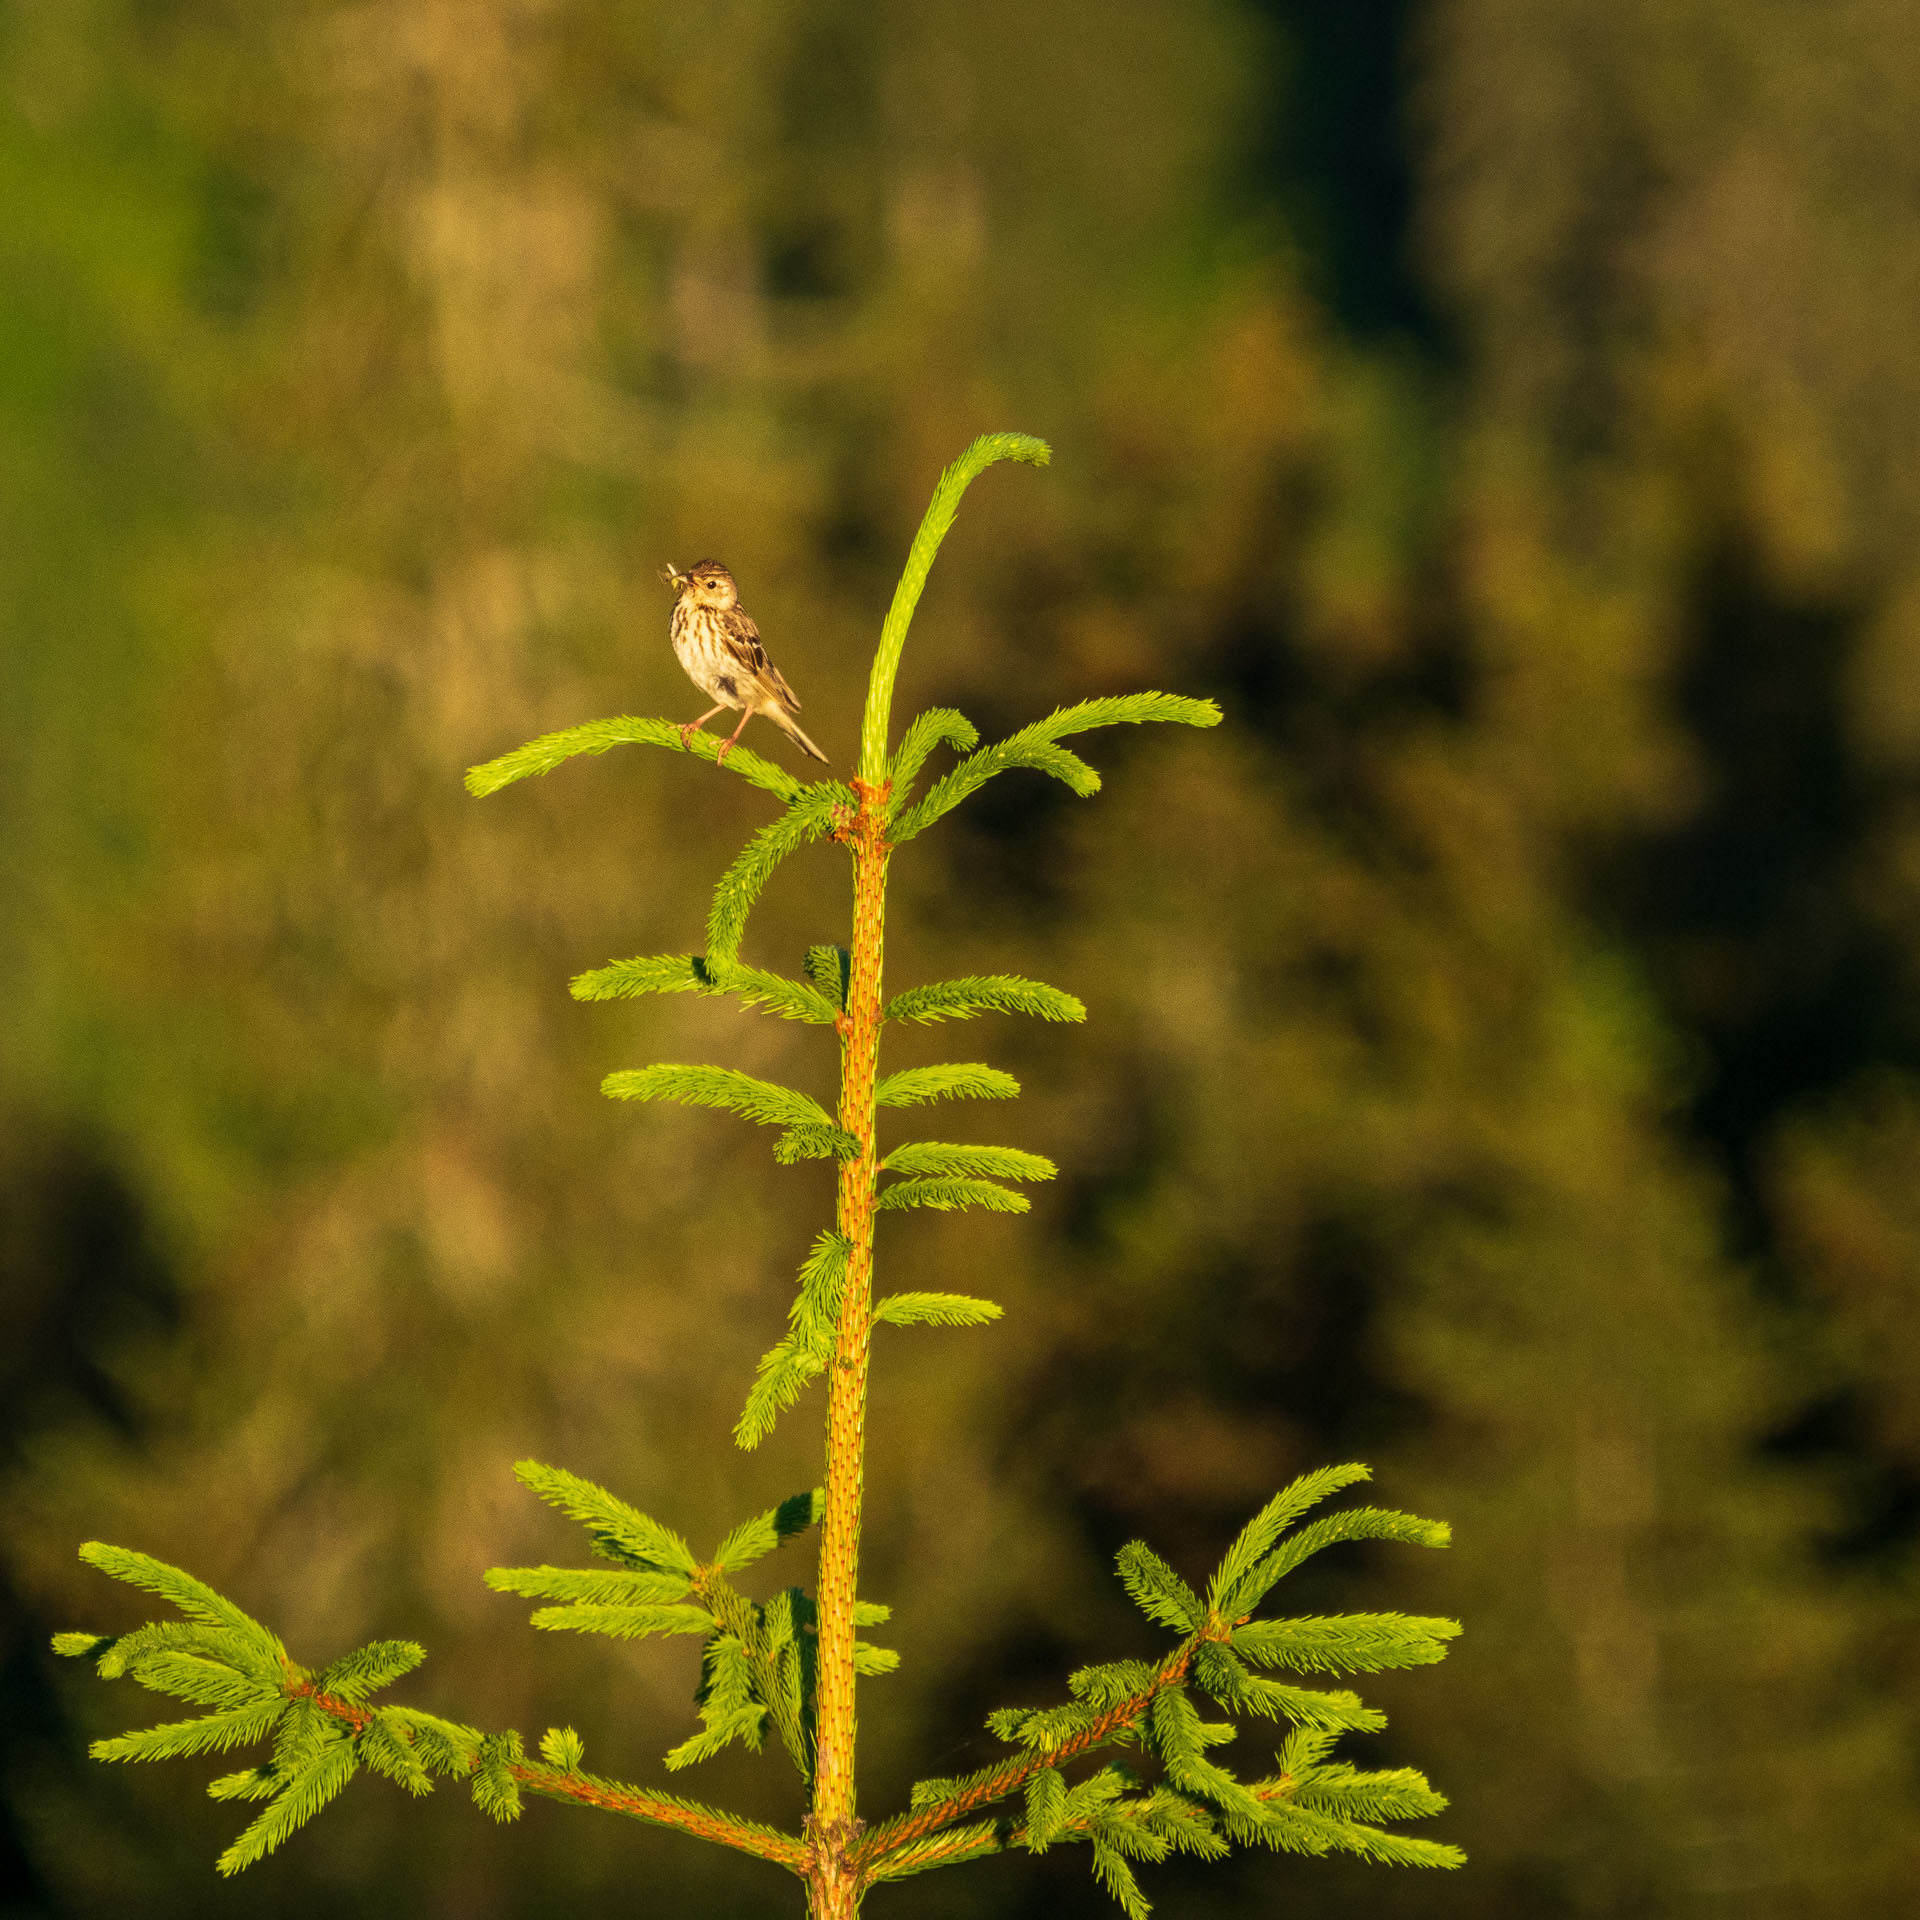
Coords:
pixel 706 583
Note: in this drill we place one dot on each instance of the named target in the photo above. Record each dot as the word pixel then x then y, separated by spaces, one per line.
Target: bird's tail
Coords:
pixel 791 728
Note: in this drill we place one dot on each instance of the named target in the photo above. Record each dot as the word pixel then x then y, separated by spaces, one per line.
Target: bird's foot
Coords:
pixel 686 734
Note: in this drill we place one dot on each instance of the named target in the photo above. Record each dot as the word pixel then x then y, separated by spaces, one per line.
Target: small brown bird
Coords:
pixel 715 639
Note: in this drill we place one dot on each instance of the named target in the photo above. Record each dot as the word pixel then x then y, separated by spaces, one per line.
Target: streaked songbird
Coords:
pixel 715 639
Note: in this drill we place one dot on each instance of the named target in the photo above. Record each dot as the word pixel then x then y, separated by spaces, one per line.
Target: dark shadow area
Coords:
pixel 1759 945
pixel 1331 154
pixel 79 1281
pixel 1747 913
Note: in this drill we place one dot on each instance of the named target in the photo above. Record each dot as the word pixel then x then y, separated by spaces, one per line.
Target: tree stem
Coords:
pixel 833 1879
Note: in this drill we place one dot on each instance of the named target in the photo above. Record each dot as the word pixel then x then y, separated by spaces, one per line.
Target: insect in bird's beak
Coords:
pixel 673 576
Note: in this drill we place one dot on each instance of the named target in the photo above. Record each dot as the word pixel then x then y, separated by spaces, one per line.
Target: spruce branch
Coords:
pixel 936 1160
pixel 596 736
pixel 665 1810
pixel 830 969
pixel 299 1795
pixel 753 1539
pixel 1038 747
pixel 591 1586
pixel 1157 1590
pixel 745 1724
pixel 724 1088
pixel 940 1850
pixel 815 813
pixel 1356 1523
pixel 1256 1539
pixel 937 727
pixel 619 1532
pixel 1046 1808
pixel 1204 1805
pixel 958 1080
pixel 952 1196
pixel 324 1728
pixel 622 1622
pixel 194 1598
pixel 1326 1710
pixel 984 993
pixel 785 1372
pixel 957 1799
pixel 370 1668
pixel 816 1143
pixel 1345 1643
pixel 812 1320
pixel 1111 1869
pixel 694 973
pixel 934 1310
pixel 211 1733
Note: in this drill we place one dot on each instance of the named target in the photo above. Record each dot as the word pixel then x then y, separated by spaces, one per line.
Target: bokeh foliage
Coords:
pixel 1502 1058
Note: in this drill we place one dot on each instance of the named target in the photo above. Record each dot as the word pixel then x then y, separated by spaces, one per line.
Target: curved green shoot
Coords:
pixel 985 451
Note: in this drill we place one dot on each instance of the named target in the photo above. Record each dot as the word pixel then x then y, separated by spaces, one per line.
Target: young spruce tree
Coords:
pixel 788 1666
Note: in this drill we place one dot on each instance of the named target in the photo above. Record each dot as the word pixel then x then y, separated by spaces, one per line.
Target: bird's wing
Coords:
pixel 777 681
pixel 743 642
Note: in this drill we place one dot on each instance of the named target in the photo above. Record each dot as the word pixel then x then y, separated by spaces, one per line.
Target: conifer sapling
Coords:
pixel 783 1671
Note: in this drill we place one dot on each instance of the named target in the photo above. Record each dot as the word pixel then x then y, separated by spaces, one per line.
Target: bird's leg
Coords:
pixel 746 714
pixel 692 727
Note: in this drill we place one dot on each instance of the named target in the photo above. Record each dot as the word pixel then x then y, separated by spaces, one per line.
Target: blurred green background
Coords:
pixel 1504 1052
